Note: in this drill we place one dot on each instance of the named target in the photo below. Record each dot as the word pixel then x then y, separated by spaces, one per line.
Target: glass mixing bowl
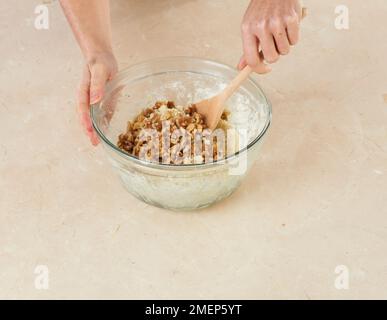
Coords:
pixel 183 80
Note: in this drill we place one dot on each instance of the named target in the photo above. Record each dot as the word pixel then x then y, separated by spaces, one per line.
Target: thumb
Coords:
pixel 242 63
pixel 99 76
pixel 260 68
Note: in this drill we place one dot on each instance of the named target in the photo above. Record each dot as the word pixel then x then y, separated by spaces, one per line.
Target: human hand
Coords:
pixel 99 69
pixel 269 28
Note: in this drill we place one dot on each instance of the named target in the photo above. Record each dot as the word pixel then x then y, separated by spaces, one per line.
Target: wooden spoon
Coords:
pixel 212 108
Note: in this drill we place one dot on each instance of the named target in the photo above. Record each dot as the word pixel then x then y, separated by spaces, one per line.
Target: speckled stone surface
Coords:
pixel 316 198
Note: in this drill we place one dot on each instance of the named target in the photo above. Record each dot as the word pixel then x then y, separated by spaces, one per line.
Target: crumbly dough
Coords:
pixel 177 135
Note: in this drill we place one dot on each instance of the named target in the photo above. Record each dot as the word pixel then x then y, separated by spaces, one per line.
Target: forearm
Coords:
pixel 90 22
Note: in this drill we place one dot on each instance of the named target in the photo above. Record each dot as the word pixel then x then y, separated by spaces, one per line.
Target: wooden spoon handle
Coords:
pixel 236 82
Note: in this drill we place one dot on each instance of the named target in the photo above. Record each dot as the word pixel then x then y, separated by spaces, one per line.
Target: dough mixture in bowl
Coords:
pixel 167 133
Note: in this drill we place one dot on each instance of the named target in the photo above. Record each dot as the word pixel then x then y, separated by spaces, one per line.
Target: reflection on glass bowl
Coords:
pixel 182 80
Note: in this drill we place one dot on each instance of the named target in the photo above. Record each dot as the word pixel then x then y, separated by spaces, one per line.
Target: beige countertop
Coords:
pixel 316 198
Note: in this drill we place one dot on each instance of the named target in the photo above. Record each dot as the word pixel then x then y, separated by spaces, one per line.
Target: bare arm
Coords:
pixel 90 23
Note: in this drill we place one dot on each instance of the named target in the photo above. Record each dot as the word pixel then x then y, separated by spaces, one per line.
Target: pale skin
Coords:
pixel 269 29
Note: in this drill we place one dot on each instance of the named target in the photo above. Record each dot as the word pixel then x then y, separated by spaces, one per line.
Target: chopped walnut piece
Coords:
pixel 147 112
pixel 170 104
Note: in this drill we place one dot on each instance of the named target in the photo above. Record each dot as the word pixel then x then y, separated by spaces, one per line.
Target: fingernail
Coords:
pixel 94 139
pixel 94 97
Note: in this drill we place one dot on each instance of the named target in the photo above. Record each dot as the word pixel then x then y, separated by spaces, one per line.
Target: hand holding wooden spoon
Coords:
pixel 213 108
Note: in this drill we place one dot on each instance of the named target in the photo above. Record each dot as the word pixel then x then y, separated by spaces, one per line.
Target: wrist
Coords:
pixel 91 56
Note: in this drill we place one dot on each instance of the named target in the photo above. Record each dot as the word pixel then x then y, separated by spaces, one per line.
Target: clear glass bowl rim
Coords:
pixel 122 74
